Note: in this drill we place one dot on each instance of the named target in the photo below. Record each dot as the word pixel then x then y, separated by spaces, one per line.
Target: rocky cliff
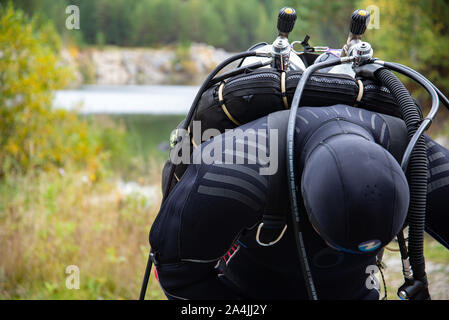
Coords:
pixel 120 66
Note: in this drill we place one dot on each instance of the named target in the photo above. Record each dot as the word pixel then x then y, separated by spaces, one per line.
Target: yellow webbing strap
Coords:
pixel 360 95
pixel 223 106
pixel 191 139
pixel 194 144
pixel 283 92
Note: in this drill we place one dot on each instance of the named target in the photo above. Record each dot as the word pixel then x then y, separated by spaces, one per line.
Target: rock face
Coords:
pixel 205 57
pixel 109 68
pixel 120 66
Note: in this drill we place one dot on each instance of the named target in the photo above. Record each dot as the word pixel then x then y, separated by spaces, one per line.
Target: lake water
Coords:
pixel 129 99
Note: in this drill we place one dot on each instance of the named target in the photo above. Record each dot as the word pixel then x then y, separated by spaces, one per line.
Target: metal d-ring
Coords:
pixel 272 242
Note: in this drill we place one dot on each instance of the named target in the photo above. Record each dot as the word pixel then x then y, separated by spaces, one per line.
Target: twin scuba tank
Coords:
pixel 256 93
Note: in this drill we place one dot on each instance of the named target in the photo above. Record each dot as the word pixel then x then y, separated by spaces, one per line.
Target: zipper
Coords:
pixel 258 76
pixel 327 80
pixel 276 77
pixel 372 86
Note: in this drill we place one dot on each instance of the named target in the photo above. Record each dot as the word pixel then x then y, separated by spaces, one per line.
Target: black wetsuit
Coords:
pixel 204 237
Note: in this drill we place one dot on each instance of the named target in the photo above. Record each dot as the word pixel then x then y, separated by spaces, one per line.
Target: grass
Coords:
pixel 54 219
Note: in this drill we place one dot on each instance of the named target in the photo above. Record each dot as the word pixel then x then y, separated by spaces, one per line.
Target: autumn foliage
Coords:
pixel 33 136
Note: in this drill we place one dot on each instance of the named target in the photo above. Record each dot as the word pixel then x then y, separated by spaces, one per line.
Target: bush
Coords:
pixel 33 136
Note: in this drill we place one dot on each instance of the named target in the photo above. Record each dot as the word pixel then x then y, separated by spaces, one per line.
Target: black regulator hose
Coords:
pixel 430 88
pixel 417 170
pixel 209 78
pixel 416 75
pixel 248 68
pixel 308 279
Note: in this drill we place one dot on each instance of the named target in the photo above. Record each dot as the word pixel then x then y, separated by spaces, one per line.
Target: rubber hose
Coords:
pixel 209 79
pixel 433 91
pixel 300 245
pixel 430 88
pixel 417 76
pixel 417 172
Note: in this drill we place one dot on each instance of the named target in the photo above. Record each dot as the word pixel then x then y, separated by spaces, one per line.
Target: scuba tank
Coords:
pixel 276 77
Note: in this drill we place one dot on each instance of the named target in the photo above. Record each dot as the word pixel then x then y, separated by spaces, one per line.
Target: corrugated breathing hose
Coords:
pixel 417 172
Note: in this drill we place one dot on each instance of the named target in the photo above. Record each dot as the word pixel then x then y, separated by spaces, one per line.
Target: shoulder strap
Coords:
pixel 274 219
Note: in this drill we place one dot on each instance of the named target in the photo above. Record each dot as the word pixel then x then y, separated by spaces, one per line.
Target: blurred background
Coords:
pixel 85 116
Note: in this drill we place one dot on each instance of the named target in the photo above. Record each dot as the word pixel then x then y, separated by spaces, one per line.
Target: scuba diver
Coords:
pixel 350 172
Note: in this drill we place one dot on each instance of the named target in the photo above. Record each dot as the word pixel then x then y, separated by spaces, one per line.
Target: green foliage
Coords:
pixel 232 24
pixel 414 33
pixel 34 137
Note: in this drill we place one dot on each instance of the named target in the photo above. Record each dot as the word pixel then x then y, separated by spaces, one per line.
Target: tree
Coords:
pixel 414 33
pixel 32 135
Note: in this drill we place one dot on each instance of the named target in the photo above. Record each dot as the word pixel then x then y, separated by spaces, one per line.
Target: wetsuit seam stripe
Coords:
pixel 248 171
pixel 235 182
pixel 229 194
pixel 333 136
pixel 311 133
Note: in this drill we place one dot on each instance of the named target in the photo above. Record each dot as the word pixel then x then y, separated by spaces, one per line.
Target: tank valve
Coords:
pixel 363 52
pixel 358 24
pixel 281 47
